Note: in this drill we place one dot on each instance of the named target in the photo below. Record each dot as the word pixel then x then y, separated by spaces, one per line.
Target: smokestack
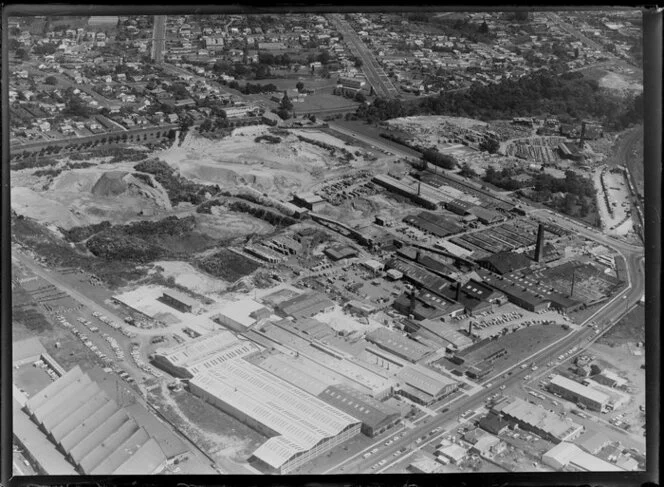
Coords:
pixel 470 329
pixel 571 292
pixel 412 303
pixel 419 186
pixel 539 246
pixel 418 255
pixel 458 290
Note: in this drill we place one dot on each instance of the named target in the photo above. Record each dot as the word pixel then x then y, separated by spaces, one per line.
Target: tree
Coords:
pixel 299 86
pixel 323 57
pixel 22 54
pixel 286 104
pixel 358 63
pixel 490 145
pixel 359 97
pixel 484 28
pixel 51 80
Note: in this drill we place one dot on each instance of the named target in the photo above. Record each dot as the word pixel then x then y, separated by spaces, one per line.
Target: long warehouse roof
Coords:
pixel 302 419
pixel 579 389
pixel 198 348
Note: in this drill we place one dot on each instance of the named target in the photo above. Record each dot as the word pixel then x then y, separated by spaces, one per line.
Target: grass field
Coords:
pixel 228 265
pixel 631 328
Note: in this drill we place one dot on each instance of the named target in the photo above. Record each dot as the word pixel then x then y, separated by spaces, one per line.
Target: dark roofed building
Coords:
pixel 494 424
pixel 376 416
pixel 505 262
pixel 338 252
pixel 485 215
pixel 516 292
pixel 306 305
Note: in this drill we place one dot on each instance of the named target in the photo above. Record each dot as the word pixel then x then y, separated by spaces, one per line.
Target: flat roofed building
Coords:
pixel 575 392
pixel 180 301
pixel 177 360
pixel 306 305
pixel 241 314
pixel 376 417
pixel 538 420
pixel 569 457
pixel 305 378
pixel 310 201
pixel 424 385
pixel 301 425
pixel 28 350
pixel 398 344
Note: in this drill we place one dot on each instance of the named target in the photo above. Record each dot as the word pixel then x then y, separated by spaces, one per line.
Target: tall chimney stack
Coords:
pixel 539 246
pixel 458 291
pixel 470 328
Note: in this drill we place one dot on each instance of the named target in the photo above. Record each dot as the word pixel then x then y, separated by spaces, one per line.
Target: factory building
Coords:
pixel 339 252
pixel 569 457
pixel 377 417
pixel 300 426
pixel 403 189
pixel 97 436
pixel 505 262
pixel 208 351
pixel 423 385
pixel 309 201
pixel 242 314
pixel 179 301
pixel 398 344
pixel 486 215
pixel 306 305
pixel 516 292
pixel 538 420
pixel 578 393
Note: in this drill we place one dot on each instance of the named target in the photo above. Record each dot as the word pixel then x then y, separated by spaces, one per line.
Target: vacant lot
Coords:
pixel 631 328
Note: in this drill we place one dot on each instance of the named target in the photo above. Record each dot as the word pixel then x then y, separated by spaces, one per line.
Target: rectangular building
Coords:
pixel 306 305
pixel 398 344
pixel 377 417
pixel 578 393
pixel 423 385
pixel 301 426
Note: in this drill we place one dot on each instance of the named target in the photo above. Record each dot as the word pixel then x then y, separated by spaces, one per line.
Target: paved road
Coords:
pixel 370 66
pixel 158 38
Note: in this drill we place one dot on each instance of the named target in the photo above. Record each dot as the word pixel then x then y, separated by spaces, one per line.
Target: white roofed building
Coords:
pixel 300 425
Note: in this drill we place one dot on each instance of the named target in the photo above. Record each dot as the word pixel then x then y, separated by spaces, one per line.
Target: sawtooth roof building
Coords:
pixel 96 435
pixel 424 385
pixel 377 417
pixel 398 344
pixel 300 426
pixel 191 357
pixel 538 420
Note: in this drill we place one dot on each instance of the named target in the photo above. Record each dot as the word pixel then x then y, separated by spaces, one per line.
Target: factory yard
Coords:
pixel 616 215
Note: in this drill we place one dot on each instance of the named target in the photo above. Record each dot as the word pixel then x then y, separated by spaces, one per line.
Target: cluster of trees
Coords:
pixel 179 189
pixel 268 138
pixel 573 195
pixel 541 94
pixel 227 265
pixel 437 158
pixel 118 246
pixel 78 234
pixel 251 89
pixel 490 145
pixel 272 217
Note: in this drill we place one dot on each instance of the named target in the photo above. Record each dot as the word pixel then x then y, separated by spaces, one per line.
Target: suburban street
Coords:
pixel 375 74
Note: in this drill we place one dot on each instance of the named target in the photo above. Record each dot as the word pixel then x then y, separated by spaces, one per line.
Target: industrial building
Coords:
pixel 516 292
pixel 242 314
pixel 377 417
pixel 486 215
pixel 98 436
pixel 179 301
pixel 569 457
pixel 300 426
pixel 306 305
pixel 208 351
pixel 403 189
pixel 308 328
pixel 433 224
pixel 418 275
pixel 398 344
pixel 538 420
pixel 505 262
pixel 578 393
pixel 338 252
pixel 423 385
pixel 309 201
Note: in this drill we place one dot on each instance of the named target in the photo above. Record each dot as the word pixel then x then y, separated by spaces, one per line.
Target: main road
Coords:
pixel 375 74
